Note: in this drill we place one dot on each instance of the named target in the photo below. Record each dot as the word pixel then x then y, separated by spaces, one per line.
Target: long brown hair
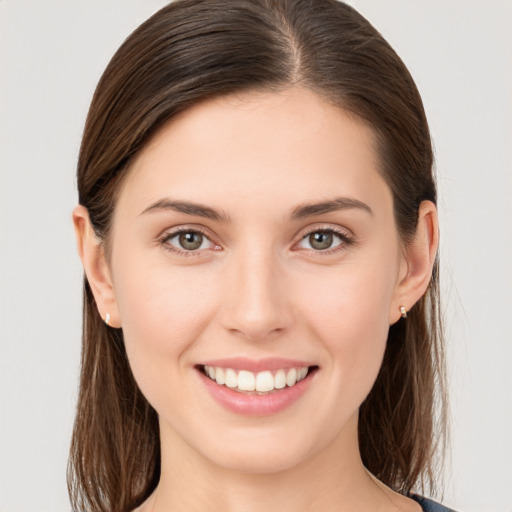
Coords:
pixel 192 50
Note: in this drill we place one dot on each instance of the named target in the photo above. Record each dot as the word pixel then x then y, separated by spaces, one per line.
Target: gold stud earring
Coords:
pixel 107 318
pixel 403 311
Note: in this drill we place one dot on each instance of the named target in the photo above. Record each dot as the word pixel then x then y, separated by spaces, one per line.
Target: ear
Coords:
pixel 418 261
pixel 92 254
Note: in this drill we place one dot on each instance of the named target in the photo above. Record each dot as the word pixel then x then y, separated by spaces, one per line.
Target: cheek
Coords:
pixel 163 311
pixel 350 317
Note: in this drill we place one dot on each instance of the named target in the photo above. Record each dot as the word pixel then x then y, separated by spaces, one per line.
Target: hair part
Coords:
pixel 194 50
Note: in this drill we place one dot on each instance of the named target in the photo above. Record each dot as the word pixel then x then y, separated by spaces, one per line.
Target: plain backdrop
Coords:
pixel 51 56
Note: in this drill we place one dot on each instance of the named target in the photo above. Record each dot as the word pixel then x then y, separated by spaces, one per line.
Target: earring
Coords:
pixel 403 311
pixel 107 318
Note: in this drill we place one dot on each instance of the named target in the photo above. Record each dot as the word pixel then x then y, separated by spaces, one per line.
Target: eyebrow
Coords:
pixel 188 208
pixel 340 203
pixel 300 212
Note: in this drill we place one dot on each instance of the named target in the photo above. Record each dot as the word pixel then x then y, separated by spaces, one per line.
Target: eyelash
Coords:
pixel 345 240
pixel 168 247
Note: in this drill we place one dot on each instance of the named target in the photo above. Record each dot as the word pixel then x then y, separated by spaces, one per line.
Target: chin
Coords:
pixel 259 460
pixel 265 450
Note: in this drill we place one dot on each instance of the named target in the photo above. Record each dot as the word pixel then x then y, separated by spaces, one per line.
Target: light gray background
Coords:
pixel 51 56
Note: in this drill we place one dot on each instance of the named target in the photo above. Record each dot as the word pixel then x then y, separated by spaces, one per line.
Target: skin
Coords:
pixel 258 288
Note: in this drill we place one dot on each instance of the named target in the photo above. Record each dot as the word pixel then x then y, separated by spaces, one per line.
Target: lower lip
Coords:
pixel 256 405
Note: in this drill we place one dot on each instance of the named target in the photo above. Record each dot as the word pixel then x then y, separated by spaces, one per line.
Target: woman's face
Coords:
pixel 255 235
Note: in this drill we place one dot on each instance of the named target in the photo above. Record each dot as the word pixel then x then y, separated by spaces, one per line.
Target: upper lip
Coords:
pixel 256 365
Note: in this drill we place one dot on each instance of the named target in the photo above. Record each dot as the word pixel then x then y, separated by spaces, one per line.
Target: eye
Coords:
pixel 323 240
pixel 187 241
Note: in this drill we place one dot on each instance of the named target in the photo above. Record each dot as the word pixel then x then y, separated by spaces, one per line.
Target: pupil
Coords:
pixel 191 241
pixel 320 240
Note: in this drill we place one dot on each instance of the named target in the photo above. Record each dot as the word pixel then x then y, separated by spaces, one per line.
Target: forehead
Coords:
pixel 286 147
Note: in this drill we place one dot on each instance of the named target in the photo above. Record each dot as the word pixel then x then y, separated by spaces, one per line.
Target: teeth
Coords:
pixel 246 381
pixel 280 379
pixel 291 377
pixel 231 378
pixel 262 382
pixel 220 376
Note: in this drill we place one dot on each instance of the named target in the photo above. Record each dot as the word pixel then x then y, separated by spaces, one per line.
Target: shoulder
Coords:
pixel 429 505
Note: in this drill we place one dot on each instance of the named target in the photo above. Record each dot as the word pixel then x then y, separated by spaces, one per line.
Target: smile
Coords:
pixel 257 387
pixel 263 382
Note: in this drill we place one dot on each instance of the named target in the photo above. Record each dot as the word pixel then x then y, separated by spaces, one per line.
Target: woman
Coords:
pixel 258 229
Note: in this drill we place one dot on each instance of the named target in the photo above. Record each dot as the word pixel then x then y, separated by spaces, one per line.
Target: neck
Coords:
pixel 331 480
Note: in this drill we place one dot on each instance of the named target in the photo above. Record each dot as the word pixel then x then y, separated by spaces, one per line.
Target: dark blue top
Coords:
pixel 429 505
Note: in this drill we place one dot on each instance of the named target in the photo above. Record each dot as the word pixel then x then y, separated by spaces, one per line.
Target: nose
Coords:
pixel 257 302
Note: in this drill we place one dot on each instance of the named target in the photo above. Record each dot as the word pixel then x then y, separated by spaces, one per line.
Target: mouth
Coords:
pixel 266 382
